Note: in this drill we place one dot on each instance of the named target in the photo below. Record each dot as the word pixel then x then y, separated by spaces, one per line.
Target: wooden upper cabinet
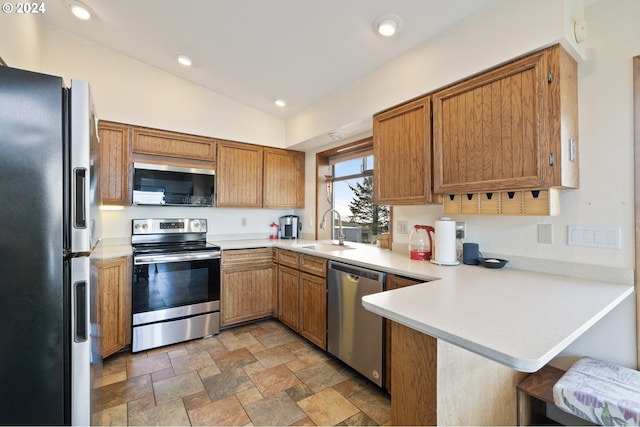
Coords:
pixel 239 175
pixel 512 127
pixel 283 178
pixel 172 144
pixel 402 149
pixel 115 176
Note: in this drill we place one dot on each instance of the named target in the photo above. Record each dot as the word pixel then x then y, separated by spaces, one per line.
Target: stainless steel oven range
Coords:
pixel 176 282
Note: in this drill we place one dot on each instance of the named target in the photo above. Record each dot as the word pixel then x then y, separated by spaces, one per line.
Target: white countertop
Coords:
pixel 519 318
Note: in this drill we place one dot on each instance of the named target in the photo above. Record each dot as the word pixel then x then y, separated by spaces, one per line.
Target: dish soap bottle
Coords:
pixel 420 242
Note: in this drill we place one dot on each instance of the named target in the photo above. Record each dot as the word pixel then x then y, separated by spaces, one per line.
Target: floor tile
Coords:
pixel 249 396
pixel 374 403
pixel 110 379
pixel 114 416
pixel 124 391
pixel 161 375
pixel 275 356
pixel 299 392
pixel 274 380
pixel 277 338
pixel 276 410
pixel 146 365
pixel 224 412
pixel 328 407
pixel 191 362
pixel 170 414
pixel 320 376
pixel 197 400
pixel 177 387
pixel 227 383
pixel 234 359
pixel 141 404
pixel 234 342
pixel 359 419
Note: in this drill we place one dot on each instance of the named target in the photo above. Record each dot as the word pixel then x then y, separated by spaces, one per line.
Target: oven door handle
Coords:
pixel 159 259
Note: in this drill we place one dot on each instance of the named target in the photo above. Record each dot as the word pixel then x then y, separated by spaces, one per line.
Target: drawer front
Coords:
pixel 313 265
pixel 246 256
pixel 292 259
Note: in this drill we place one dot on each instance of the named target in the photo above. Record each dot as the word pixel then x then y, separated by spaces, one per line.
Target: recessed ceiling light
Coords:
pixel 280 102
pixel 387 25
pixel 79 10
pixel 185 60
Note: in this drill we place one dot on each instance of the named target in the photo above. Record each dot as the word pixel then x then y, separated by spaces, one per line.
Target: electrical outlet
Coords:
pixel 545 231
pixel 461 230
pixel 243 222
pixel 403 227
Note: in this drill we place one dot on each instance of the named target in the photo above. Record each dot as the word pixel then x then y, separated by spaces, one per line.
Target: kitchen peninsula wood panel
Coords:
pixel 239 175
pixel 283 178
pixel 403 153
pixel 512 127
pixel 173 144
pixel 114 303
pixel 393 282
pixel 115 176
pixel 437 383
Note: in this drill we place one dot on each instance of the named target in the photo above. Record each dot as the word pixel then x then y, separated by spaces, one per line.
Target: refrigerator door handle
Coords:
pixel 80 318
pixel 81 341
pixel 79 198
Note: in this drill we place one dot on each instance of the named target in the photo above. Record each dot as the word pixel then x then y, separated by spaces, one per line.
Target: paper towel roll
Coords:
pixel 445 243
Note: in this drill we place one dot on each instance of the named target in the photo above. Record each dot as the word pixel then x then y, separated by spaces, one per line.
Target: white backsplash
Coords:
pixel 223 223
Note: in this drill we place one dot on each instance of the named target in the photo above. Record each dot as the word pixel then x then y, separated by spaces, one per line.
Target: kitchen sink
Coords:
pixel 326 247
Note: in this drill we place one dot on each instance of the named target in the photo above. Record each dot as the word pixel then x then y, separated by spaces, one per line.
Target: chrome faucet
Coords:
pixel 323 225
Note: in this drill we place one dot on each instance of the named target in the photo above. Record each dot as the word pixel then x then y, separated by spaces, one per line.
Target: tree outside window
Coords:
pixel 362 221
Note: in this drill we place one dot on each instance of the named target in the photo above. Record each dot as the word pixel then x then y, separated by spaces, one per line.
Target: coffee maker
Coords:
pixel 290 227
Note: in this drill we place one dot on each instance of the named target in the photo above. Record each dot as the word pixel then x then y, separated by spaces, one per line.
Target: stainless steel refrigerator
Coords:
pixel 49 237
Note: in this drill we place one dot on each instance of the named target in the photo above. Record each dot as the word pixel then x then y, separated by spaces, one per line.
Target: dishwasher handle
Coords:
pixel 355 271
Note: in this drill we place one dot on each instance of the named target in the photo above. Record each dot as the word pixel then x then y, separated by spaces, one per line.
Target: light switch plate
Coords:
pixel 545 232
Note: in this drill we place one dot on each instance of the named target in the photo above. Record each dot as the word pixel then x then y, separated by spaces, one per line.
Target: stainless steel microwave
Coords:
pixel 172 185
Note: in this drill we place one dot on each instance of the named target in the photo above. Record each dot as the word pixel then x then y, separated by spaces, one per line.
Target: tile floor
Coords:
pixel 257 374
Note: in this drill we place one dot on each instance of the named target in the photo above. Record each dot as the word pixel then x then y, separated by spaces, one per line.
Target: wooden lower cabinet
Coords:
pixel 289 296
pixel 437 383
pixel 114 303
pixel 302 295
pixel 248 287
pixel 313 309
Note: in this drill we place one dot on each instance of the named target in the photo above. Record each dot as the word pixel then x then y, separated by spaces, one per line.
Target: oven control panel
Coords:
pixel 170 225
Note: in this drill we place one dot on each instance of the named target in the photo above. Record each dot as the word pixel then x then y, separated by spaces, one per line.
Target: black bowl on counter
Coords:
pixel 492 262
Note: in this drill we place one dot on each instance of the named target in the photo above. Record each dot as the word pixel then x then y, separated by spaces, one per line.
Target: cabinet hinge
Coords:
pixel 550 77
pixel 552 160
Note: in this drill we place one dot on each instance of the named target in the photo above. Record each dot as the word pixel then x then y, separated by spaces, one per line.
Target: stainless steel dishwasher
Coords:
pixel 354 334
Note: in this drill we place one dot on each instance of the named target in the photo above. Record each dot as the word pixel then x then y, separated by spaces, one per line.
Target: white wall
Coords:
pixel 129 91
pixel 21 40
